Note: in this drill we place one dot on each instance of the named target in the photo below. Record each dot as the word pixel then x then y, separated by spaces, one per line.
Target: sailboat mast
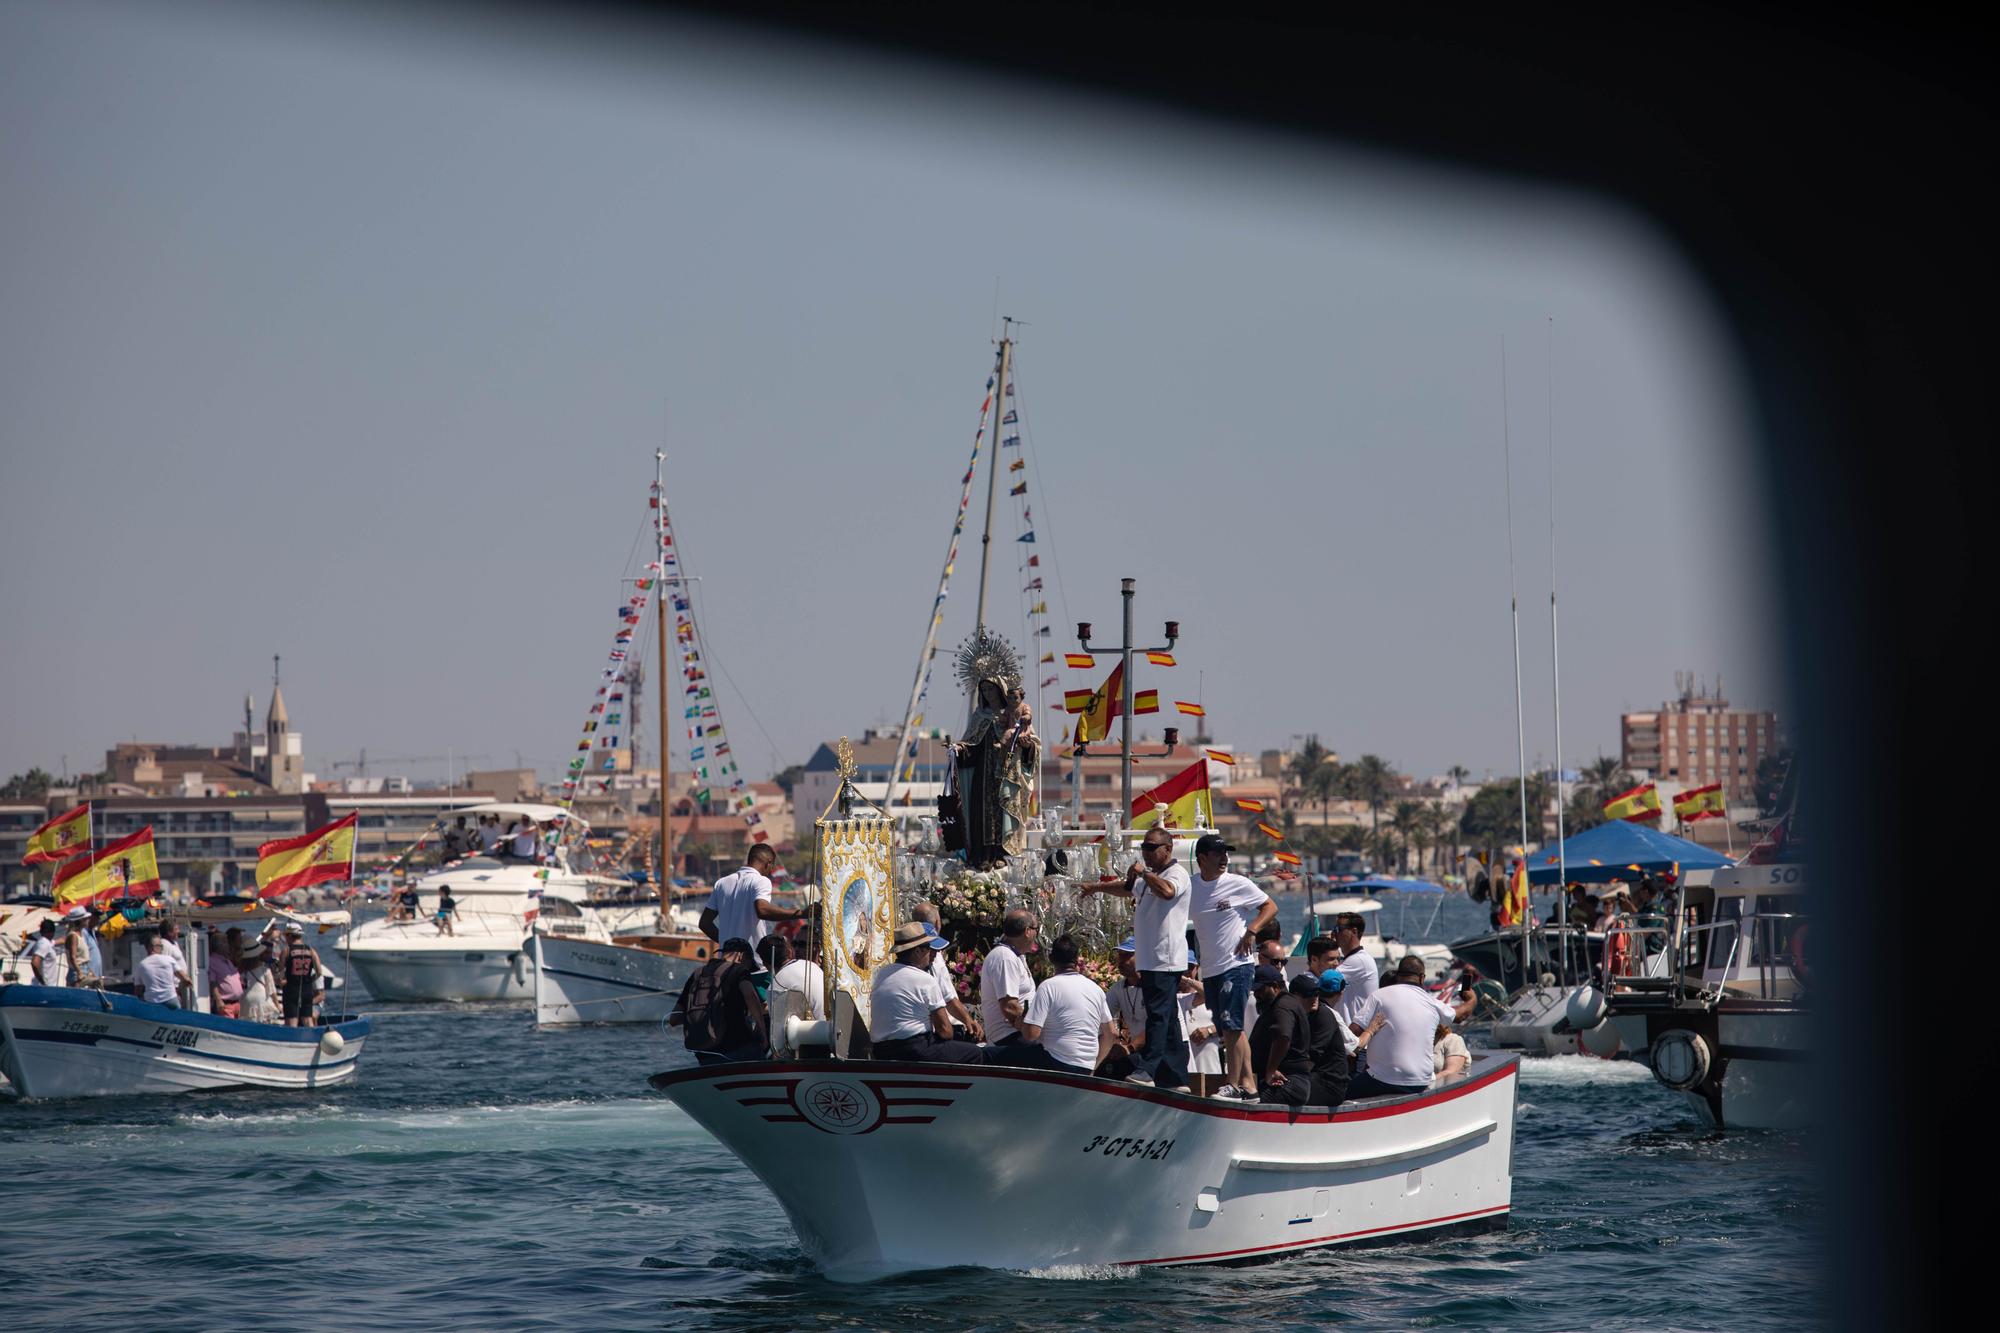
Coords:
pixel 1555 664
pixel 1514 609
pixel 660 671
pixel 993 473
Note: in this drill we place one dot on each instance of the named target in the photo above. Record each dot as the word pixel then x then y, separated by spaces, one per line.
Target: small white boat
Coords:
pixel 632 979
pixel 1038 1169
pixel 1387 953
pixel 60 1041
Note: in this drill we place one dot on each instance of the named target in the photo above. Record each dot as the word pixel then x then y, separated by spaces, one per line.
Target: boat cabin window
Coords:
pixel 1752 932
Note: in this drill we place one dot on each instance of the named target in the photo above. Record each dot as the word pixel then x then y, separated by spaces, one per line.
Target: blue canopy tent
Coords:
pixel 1609 851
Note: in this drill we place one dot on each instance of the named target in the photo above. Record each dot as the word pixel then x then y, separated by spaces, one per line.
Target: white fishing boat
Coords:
pixel 60 1041
pixel 101 1040
pixel 631 979
pixel 1036 1169
pixel 485 954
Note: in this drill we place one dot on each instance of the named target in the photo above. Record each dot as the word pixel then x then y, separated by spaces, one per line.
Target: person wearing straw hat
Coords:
pixel 907 1016
pixel 259 1003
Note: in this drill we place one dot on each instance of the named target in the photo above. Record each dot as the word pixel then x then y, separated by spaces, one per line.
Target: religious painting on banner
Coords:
pixel 857 902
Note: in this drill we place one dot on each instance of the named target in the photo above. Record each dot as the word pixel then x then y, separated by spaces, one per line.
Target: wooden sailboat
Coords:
pixel 632 978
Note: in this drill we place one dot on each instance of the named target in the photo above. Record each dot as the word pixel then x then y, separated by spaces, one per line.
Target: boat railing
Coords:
pixel 1639 959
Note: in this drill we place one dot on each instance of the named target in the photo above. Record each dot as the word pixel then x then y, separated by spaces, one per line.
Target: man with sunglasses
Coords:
pixel 1160 890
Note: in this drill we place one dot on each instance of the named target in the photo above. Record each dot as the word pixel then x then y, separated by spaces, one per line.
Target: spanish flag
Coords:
pixel 1184 796
pixel 1160 659
pixel 1701 803
pixel 127 868
pixel 61 838
pixel 1514 905
pixel 1182 706
pixel 311 858
pixel 1222 757
pixel 1641 805
pixel 1146 701
pixel 1271 831
pixel 1081 661
pixel 1289 858
pixel 1105 703
pixel 1254 807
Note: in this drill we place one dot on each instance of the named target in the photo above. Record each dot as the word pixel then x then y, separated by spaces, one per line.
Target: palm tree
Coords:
pixel 1310 757
pixel 1373 781
pixel 1408 820
pixel 1604 777
pixel 1458 773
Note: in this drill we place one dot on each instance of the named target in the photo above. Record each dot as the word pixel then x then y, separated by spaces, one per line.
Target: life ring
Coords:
pixel 1680 1059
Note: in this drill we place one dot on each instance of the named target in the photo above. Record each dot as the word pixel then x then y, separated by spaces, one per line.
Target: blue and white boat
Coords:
pixel 62 1041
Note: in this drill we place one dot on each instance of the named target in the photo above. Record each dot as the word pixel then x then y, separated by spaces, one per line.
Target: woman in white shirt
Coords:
pixel 259 1002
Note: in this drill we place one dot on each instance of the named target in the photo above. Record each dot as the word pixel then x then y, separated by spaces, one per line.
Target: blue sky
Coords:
pixel 352 340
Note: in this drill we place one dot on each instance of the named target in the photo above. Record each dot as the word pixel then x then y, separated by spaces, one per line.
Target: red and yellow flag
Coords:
pixel 1701 803
pixel 1184 796
pixel 1514 903
pixel 1221 757
pixel 1160 659
pixel 61 838
pixel 1253 807
pixel 311 858
pixel 1191 710
pixel 1105 703
pixel 1270 831
pixel 1289 858
pixel 1146 701
pixel 1081 661
pixel 1641 805
pixel 128 868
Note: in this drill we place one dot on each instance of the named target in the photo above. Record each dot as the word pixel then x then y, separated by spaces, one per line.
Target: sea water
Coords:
pixel 479 1174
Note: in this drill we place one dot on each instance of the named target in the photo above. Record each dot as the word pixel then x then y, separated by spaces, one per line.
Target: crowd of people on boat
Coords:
pixel 274 978
pixel 1202 1004
pixel 522 839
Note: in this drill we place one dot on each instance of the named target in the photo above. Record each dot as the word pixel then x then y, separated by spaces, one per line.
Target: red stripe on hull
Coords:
pixel 1320 1240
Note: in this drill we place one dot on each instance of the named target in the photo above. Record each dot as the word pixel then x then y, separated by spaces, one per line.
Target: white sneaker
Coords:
pixel 1227 1093
pixel 1140 1077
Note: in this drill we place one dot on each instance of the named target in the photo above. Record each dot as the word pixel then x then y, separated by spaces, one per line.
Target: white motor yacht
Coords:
pixel 484 955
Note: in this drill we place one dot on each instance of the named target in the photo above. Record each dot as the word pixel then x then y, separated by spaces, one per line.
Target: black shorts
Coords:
pixel 299 992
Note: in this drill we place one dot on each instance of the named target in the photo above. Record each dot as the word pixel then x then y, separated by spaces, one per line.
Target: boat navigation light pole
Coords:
pixel 660 671
pixel 993 474
pixel 1127 696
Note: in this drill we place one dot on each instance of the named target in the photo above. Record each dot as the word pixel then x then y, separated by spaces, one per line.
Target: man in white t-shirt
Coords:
pixel 1399 1031
pixel 1228 912
pixel 798 976
pixel 907 1019
pixel 44 964
pixel 1159 888
pixel 1005 985
pixel 961 1017
pixel 1067 1017
pixel 740 906
pixel 159 980
pixel 1357 968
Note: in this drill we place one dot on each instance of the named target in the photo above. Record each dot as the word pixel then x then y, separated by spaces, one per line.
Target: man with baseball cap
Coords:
pixel 1330 1039
pixel 1159 888
pixel 1229 912
pixel 907 1014
pixel 1282 1042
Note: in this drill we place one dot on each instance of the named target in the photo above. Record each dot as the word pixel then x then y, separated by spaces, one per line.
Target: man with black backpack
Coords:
pixel 719 1010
